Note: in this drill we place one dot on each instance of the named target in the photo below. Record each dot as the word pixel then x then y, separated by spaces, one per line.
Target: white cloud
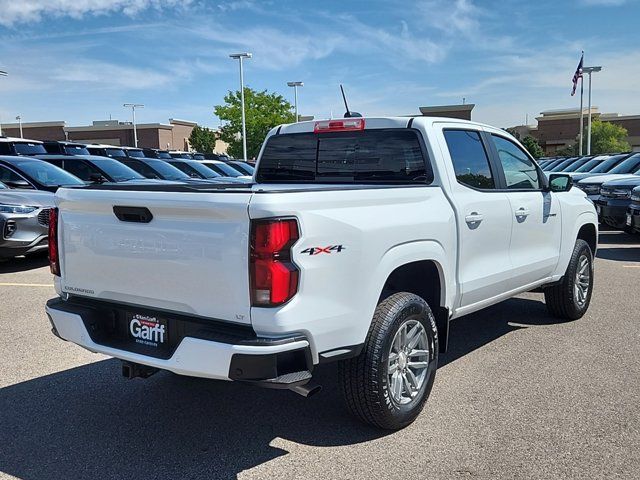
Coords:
pixel 110 75
pixel 23 11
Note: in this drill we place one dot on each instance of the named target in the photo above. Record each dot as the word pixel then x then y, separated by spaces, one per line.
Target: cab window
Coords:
pixel 520 172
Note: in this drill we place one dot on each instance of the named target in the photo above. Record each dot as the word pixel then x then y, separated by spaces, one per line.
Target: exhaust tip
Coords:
pixel 307 390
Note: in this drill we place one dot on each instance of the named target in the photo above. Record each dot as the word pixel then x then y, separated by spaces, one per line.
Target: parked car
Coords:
pixel 20 146
pixel 93 168
pixel 355 245
pixel 633 213
pixel 557 162
pixel 196 169
pixel 24 221
pixel 569 163
pixel 586 162
pixel 243 167
pixel 65 148
pixel 614 201
pixel 197 156
pixel 217 156
pixel 591 169
pixel 157 153
pixel 591 185
pixel 155 169
pixel 106 151
pixel 225 169
pixel 29 173
pixel 180 154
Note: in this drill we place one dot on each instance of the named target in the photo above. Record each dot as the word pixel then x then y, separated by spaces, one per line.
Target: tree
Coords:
pixel 203 139
pixel 607 137
pixel 532 145
pixel 263 111
pixel 568 151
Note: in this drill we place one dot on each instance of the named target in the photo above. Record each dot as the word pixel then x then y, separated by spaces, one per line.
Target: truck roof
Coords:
pixel 378 122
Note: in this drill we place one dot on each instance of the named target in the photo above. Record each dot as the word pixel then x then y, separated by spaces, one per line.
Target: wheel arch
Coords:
pixel 420 268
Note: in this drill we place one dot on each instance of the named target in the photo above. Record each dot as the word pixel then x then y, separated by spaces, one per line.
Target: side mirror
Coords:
pixel 560 182
pixel 96 178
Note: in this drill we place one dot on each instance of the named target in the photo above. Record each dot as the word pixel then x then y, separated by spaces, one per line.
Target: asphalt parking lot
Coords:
pixel 517 396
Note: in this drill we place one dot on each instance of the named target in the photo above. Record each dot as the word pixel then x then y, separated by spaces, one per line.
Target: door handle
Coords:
pixel 522 212
pixel 474 218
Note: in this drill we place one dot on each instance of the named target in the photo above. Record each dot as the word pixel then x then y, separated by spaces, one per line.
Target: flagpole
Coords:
pixel 581 112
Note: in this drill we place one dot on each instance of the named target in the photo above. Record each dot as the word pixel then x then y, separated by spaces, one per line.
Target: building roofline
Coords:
pixel 177 121
pixel 129 126
pixel 464 107
pixel 34 124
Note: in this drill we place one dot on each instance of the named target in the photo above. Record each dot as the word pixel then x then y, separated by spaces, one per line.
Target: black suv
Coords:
pixel 20 146
pixel 55 147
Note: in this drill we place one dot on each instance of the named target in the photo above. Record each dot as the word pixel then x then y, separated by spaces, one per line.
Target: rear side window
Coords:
pixel 470 160
pixel 385 156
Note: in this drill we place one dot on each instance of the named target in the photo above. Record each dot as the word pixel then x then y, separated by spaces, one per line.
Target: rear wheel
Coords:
pixel 389 382
pixel 570 298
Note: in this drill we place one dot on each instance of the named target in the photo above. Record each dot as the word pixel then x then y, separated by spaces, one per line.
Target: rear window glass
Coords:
pixel 75 150
pixel 29 148
pixel 391 156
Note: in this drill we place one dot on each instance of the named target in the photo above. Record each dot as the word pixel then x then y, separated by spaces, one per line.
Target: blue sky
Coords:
pixel 79 60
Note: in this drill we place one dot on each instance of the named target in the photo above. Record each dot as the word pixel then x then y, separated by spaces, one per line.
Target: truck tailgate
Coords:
pixel 192 257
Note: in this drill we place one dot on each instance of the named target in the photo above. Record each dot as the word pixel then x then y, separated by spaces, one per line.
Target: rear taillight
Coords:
pixel 341 125
pixel 274 276
pixel 54 258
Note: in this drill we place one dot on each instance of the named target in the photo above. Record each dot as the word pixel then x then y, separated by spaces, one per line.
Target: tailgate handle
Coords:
pixel 133 214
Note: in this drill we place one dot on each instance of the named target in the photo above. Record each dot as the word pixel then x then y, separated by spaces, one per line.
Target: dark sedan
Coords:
pixel 33 174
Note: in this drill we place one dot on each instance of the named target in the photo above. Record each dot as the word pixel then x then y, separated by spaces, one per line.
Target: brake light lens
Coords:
pixel 54 258
pixel 339 125
pixel 274 276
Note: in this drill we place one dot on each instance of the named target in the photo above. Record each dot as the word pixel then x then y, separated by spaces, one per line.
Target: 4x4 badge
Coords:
pixel 328 249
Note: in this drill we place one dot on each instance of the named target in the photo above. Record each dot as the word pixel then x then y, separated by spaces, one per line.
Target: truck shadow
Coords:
pixel 22 264
pixel 88 422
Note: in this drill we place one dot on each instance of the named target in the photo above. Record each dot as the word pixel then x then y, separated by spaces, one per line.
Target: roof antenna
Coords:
pixel 348 113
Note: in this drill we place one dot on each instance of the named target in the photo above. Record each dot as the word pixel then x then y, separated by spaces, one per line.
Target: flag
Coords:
pixel 578 75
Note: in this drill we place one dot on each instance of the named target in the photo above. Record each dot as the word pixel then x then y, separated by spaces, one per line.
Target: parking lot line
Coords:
pixel 26 284
pixel 631 266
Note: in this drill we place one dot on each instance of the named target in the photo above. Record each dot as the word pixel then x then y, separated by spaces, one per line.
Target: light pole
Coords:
pixel 239 57
pixel 2 74
pixel 590 70
pixel 19 118
pixel 295 86
pixel 133 107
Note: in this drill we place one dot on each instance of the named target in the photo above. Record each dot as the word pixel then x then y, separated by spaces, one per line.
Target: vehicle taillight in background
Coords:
pixel 54 259
pixel 341 125
pixel 274 276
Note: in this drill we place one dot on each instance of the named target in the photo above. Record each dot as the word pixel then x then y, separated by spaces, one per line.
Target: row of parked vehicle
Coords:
pixel 611 181
pixel 31 171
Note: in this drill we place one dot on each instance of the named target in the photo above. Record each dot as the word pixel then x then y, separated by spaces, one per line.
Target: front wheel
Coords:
pixel 570 298
pixel 388 384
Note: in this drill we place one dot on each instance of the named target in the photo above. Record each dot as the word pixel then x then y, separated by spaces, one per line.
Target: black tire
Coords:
pixel 561 299
pixel 365 380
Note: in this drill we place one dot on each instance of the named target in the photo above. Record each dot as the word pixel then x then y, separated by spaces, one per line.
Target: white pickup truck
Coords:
pixel 358 241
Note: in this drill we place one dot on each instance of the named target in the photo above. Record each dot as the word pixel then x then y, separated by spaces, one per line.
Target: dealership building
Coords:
pixel 171 136
pixel 557 129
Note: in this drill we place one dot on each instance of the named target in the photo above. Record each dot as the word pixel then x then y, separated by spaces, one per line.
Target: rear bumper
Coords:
pixel 273 362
